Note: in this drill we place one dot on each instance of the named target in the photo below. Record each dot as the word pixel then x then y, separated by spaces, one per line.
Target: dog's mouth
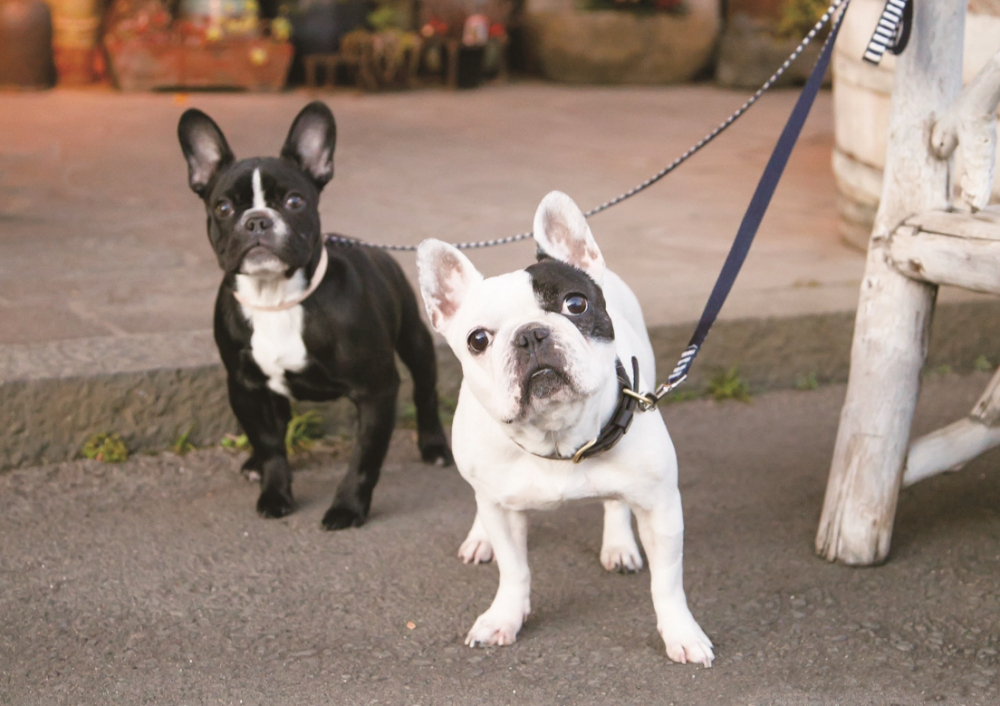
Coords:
pixel 262 261
pixel 544 382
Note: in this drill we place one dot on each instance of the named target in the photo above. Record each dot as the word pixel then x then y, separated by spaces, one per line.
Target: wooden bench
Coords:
pixel 924 236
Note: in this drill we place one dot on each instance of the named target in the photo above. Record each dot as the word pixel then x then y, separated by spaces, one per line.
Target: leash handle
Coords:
pixel 892 31
pixel 755 213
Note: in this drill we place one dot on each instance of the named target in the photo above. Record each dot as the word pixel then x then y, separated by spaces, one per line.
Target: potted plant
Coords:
pixel 210 44
pixel 621 41
pixel 465 40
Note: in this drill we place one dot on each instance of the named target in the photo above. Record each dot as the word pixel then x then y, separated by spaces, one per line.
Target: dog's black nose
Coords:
pixel 258 224
pixel 531 336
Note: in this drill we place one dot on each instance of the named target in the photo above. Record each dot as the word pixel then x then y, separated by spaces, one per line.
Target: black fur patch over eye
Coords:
pixel 555 281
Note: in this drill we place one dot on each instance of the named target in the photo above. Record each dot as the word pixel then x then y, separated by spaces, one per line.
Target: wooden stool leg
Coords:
pixel 451 77
pixel 890 342
pixel 950 448
pixel 894 312
pixel 310 67
pixel 331 71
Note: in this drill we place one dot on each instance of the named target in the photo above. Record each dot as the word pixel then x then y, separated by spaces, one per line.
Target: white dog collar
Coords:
pixel 313 284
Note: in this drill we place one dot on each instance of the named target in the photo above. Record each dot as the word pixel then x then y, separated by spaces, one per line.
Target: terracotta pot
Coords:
pixel 611 46
pixel 25 44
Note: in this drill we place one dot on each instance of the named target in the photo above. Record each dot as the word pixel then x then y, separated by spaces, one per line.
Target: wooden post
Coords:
pixel 894 311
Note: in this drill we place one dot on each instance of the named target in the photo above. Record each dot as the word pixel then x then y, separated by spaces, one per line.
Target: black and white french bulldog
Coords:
pixel 539 350
pixel 299 318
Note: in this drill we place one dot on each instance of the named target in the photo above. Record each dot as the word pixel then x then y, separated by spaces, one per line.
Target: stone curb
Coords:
pixel 151 389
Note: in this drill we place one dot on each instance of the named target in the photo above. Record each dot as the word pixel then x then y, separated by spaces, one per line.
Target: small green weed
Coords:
pixel 236 443
pixel 983 364
pixel 728 385
pixel 807 382
pixel 182 444
pixel 108 448
pixel 303 431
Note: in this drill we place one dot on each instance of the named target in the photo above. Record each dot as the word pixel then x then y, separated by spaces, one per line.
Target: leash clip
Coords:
pixel 649 400
pixel 646 401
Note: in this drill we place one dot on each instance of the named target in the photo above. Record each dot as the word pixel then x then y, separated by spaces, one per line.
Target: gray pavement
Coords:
pixel 102 238
pixel 102 243
pixel 154 582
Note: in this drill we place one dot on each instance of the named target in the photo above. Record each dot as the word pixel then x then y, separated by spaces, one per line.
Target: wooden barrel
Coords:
pixel 861 95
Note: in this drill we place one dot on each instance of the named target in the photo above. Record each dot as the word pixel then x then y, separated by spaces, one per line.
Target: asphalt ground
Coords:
pixel 154 582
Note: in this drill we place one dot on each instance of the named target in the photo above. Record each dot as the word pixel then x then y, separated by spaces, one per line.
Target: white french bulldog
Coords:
pixel 539 351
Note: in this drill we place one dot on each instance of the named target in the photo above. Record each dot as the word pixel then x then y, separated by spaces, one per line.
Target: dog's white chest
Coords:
pixel 277 346
pixel 276 339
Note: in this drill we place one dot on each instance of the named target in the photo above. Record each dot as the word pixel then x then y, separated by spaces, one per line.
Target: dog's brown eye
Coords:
pixel 575 304
pixel 479 340
pixel 223 209
pixel 294 202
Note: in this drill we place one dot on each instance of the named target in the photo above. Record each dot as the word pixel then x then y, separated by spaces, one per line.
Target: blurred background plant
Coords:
pixel 447 18
pixel 799 16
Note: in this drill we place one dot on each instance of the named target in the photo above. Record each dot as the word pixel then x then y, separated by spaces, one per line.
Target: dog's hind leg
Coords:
pixel 264 416
pixel 661 527
pixel 416 349
pixel 376 419
pixel 619 551
pixel 476 549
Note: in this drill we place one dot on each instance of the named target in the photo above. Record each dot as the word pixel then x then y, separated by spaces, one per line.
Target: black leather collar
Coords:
pixel 615 428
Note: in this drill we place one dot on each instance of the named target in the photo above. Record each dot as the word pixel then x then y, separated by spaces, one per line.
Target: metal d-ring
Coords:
pixel 578 456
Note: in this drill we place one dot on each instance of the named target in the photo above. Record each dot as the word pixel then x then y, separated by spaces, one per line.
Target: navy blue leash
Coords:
pixel 755 213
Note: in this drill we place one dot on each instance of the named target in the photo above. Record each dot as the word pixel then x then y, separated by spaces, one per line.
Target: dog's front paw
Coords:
pixel 435 449
pixel 621 558
pixel 274 502
pixel 338 517
pixel 688 644
pixel 475 550
pixel 494 628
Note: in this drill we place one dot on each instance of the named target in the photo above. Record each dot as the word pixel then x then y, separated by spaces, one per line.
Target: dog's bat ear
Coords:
pixel 311 141
pixel 445 275
pixel 205 149
pixel 561 232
